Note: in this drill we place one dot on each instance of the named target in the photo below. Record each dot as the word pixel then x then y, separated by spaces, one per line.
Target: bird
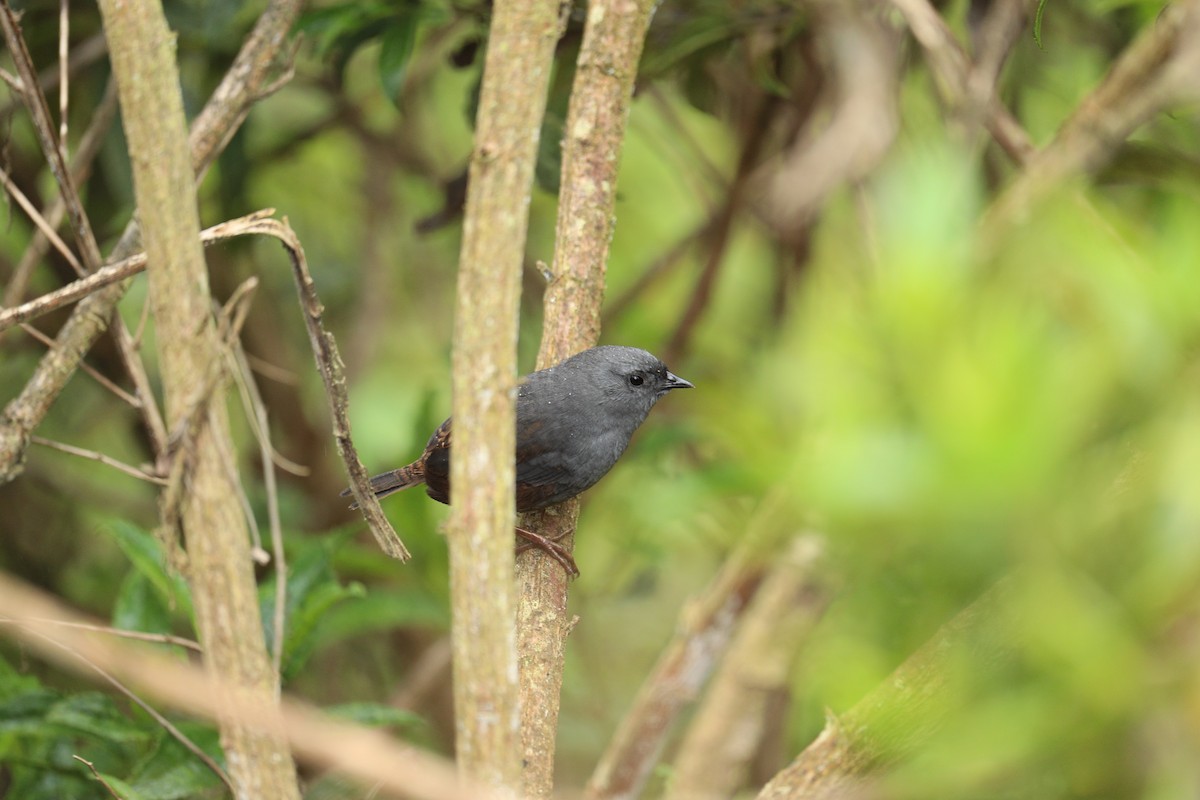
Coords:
pixel 574 420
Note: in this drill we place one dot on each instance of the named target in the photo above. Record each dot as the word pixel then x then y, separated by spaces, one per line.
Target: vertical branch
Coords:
pixel 607 67
pixel 142 52
pixel 511 106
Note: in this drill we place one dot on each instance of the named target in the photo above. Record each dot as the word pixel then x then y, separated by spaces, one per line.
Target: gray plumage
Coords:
pixel 574 420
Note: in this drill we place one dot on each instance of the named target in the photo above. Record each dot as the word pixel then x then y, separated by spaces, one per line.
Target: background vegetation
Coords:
pixel 953 381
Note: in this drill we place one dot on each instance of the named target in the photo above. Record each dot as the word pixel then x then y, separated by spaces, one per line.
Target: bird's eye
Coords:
pixel 636 380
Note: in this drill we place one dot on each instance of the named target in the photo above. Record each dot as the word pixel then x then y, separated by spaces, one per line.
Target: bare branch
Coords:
pixel 215 125
pixel 103 459
pixel 114 273
pixel 220 574
pixel 867 738
pixel 320 740
pixel 727 730
pixel 613 37
pixel 512 102
pixel 1156 71
pixel 705 628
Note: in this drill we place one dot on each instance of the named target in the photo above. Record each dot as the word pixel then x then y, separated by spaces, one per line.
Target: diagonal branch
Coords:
pixel 241 86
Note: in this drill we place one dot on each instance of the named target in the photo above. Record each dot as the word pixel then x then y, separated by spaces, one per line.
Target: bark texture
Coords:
pixel 220 566
pixel 480 530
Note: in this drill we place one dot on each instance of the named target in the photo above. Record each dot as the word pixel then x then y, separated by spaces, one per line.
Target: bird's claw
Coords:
pixel 551 547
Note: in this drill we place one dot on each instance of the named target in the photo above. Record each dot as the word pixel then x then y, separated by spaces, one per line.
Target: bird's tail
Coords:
pixel 394 480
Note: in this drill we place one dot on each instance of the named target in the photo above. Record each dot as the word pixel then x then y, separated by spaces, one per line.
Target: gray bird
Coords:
pixel 574 420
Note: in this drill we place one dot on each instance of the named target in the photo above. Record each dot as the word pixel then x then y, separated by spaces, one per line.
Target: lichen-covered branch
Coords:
pixel 613 37
pixel 480 529
pixel 241 86
pixel 220 568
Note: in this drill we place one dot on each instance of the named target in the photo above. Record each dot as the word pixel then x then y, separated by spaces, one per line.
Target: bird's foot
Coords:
pixel 552 548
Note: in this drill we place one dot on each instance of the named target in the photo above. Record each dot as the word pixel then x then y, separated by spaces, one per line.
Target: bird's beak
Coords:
pixel 676 382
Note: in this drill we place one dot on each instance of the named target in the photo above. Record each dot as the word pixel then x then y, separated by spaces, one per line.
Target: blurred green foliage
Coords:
pixel 949 409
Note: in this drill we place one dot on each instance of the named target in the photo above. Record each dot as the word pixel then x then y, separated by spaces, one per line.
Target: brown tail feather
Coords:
pixel 394 480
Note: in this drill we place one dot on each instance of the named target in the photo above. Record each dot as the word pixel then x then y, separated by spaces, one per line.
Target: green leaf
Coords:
pixel 398 41
pixel 301 639
pixel 139 607
pixel 187 778
pixel 26 712
pixel 172 772
pixel 381 610
pixel 143 550
pixel 95 714
pixel 312 589
pixel 122 789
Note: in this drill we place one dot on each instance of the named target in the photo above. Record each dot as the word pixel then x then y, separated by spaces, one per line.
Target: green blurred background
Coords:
pixel 946 408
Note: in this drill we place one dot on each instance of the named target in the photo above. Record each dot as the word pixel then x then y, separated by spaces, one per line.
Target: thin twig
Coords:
pixel 64 30
pixel 256 413
pixel 86 367
pixel 252 400
pixel 114 273
pixel 95 773
pixel 103 459
pixel 40 222
pixel 81 167
pixel 329 364
pixel 271 371
pixel 141 636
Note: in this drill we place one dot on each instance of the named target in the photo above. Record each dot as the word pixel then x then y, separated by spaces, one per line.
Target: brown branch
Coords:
pixel 366 754
pixel 952 69
pixel 705 628
pixel 220 571
pixel 863 119
pixel 333 377
pixel 613 37
pixel 216 123
pixel 1156 71
pixel 114 273
pixel 512 102
pixel 727 730
pixel 902 712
